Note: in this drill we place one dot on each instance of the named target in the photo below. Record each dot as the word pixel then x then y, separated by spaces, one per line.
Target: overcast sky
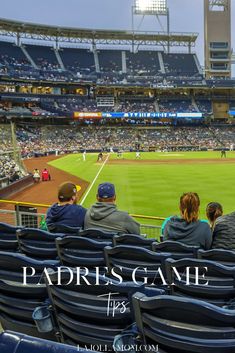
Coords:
pixel 185 15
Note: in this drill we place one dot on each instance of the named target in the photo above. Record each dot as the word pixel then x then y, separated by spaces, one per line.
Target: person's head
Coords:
pixel 106 193
pixel 213 211
pixel 67 192
pixel 189 207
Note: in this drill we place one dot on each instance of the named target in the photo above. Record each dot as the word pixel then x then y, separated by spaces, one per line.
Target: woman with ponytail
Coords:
pixel 213 211
pixel 187 228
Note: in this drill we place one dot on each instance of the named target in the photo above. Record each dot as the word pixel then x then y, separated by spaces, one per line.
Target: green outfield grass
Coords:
pixel 154 190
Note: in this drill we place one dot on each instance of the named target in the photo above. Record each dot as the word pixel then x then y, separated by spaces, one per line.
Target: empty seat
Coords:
pixel 133 239
pixel 19 294
pixel 178 250
pixel 14 342
pixel 184 325
pixel 79 251
pixel 91 311
pixel 131 261
pixel 97 234
pixel 8 240
pixel 225 257
pixel 216 287
pixel 37 243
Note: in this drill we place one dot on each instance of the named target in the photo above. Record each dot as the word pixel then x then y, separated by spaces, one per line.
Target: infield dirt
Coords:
pixel 46 192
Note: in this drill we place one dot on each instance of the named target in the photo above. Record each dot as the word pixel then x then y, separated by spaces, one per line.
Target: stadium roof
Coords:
pixel 100 36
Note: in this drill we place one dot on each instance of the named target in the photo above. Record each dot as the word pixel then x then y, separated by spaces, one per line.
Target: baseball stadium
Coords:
pixel 117 165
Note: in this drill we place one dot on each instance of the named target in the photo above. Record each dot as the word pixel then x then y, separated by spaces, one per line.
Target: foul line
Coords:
pixel 93 182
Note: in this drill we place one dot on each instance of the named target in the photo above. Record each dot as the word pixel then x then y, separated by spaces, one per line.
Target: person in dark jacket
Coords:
pixel 105 215
pixel 66 211
pixel 188 229
pixel 213 211
pixel 224 232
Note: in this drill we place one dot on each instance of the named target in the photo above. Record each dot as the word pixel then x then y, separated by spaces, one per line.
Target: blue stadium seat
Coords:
pixel 14 342
pixel 43 56
pixel 37 243
pixel 110 60
pixel 132 258
pixel 80 251
pixel 97 234
pixel 179 64
pixel 78 60
pixel 224 257
pixel 88 313
pixel 8 240
pixel 62 228
pixel 219 290
pixel 133 239
pixel 176 249
pixel 181 325
pixel 144 62
pixel 18 300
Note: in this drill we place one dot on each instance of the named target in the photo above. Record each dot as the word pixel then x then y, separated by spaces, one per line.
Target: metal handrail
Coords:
pixel 23 203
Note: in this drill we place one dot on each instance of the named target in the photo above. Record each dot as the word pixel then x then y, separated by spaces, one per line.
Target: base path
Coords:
pixel 46 192
pixel 172 161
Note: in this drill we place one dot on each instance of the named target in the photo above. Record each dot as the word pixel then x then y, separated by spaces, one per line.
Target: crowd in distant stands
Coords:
pixel 41 141
pixel 66 106
pixel 33 140
pixel 6 142
pixel 9 169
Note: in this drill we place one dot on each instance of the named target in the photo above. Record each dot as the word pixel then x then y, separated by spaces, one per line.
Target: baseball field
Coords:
pixel 152 185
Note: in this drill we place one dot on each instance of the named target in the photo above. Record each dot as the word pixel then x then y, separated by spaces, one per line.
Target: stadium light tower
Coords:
pixel 218 46
pixel 151 7
pixel 155 8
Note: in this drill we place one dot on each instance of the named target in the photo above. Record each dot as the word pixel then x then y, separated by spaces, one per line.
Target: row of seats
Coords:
pixel 83 312
pixel 80 313
pixel 14 342
pixel 91 243
pixel 95 310
pixel 75 251
pixel 83 61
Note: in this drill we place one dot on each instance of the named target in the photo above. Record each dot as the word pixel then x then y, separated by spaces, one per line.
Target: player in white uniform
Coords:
pixel 84 156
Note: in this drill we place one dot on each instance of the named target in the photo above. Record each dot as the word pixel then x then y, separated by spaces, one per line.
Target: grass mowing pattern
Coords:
pixel 154 190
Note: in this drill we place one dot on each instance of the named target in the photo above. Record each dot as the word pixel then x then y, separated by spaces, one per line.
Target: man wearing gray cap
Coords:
pixel 105 215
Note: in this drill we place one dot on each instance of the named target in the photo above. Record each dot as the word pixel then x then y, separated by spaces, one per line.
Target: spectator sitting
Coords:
pixel 213 211
pixel 224 232
pixel 66 212
pixel 105 215
pixel 188 229
pixel 14 177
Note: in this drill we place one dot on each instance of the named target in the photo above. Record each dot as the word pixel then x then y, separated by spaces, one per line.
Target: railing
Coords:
pixel 26 214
